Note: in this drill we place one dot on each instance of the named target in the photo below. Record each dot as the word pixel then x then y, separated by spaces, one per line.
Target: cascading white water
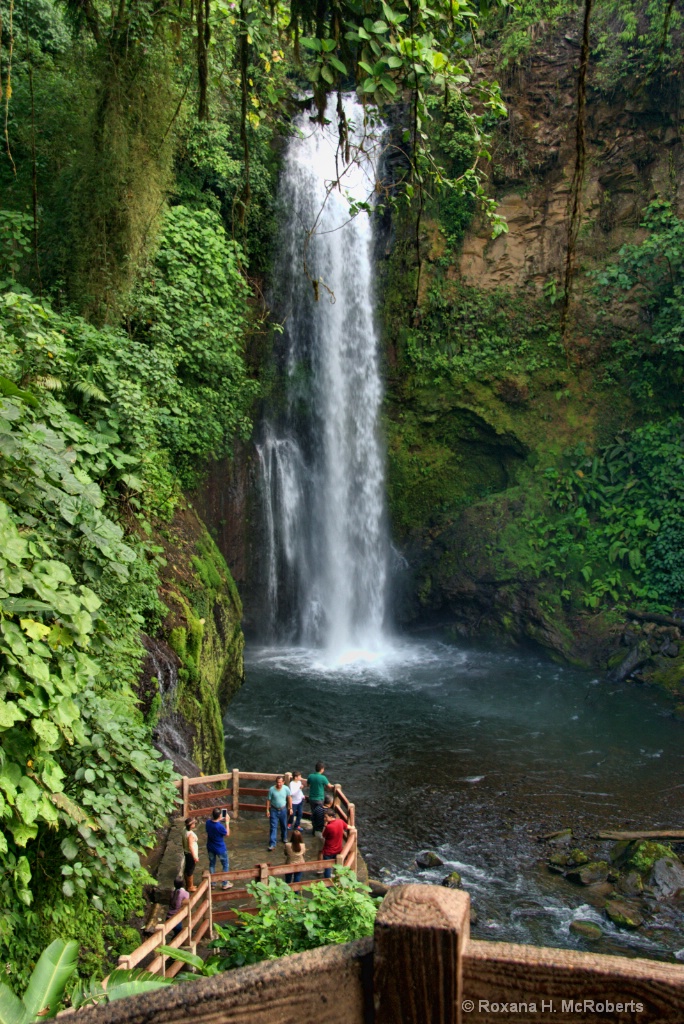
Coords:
pixel 321 461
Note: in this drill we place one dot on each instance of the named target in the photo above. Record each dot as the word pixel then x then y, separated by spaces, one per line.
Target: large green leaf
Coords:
pixel 183 955
pixel 12 1010
pixel 52 972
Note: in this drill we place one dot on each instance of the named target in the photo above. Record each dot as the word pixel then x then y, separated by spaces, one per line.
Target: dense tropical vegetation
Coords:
pixel 140 148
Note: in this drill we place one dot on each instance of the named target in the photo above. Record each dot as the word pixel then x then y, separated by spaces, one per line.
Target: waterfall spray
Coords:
pixel 321 460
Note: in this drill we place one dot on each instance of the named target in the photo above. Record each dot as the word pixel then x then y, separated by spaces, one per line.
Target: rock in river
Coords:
pixel 587 929
pixel 429 859
pixel 667 877
pixel 589 874
pixel 624 914
pixel 452 880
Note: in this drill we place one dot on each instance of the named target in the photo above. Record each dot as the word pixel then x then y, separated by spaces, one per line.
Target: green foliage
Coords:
pixel 465 333
pixel 612 528
pixel 637 42
pixel 80 782
pixel 45 989
pixel 191 306
pixel 634 42
pixel 649 273
pixel 121 984
pixel 290 922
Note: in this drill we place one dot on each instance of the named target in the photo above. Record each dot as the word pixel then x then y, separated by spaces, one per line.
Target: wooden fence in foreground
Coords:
pixel 420 967
pixel 198 797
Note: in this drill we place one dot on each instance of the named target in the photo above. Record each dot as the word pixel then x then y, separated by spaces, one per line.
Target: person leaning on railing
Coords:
pixel 333 838
pixel 317 784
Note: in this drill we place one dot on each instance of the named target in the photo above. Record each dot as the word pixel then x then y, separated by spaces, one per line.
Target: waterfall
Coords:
pixel 321 457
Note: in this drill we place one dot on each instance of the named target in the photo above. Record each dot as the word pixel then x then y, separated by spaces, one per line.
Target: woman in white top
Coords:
pixel 191 851
pixel 297 794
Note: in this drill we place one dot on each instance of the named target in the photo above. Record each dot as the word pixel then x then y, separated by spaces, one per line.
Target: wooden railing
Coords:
pixel 197 921
pixel 420 967
pixel 262 872
pixel 195 918
pixel 204 792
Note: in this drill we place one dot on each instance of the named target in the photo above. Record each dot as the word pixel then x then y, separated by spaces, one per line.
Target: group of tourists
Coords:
pixel 284 807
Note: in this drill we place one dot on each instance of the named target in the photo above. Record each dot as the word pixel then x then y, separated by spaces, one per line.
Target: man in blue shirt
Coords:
pixel 216 842
pixel 278 809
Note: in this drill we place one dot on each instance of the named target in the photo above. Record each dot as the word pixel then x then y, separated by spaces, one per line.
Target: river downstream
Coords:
pixel 473 754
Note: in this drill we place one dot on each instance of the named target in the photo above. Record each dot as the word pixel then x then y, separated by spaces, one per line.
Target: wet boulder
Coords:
pixel 587 929
pixel 429 859
pixel 452 880
pixel 630 884
pixel 667 877
pixel 624 913
pixel 589 874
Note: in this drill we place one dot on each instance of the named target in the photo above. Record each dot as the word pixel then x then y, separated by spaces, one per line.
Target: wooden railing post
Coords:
pixel 206 875
pixel 336 795
pixel 236 792
pixel 352 815
pixel 192 947
pixel 420 934
pixel 263 872
pixel 162 928
pixel 186 793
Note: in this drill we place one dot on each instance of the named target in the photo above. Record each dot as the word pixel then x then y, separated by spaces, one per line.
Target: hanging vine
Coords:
pixel 8 83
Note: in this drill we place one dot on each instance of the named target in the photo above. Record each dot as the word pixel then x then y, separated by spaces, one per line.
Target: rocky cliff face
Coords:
pixel 482 396
pixel 194 667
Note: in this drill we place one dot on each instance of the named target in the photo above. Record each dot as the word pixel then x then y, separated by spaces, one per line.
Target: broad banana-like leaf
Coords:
pixel 182 954
pixel 12 1010
pixel 50 975
pixel 137 988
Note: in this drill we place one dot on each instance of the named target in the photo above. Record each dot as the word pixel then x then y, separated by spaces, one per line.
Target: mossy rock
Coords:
pixel 646 853
pixel 624 914
pixel 452 880
pixel 589 874
pixel 429 859
pixel 587 929
pixel 578 856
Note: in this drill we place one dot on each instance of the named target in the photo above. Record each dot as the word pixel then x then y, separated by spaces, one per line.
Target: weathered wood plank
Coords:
pixel 251 791
pixel 420 934
pixel 201 780
pixel 325 986
pixel 270 776
pixel 253 807
pixel 557 981
pixel 671 833
pixel 211 793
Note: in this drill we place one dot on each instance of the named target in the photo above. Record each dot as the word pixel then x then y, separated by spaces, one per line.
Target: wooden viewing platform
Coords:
pixel 216 905
pixel 420 967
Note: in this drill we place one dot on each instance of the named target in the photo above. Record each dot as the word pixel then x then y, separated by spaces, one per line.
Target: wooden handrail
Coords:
pixel 230 794
pixel 420 966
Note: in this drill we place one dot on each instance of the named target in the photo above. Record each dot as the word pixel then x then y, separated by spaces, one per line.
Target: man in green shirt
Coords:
pixel 317 784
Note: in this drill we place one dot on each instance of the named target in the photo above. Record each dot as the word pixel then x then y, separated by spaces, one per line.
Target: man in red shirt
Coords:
pixel 333 838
